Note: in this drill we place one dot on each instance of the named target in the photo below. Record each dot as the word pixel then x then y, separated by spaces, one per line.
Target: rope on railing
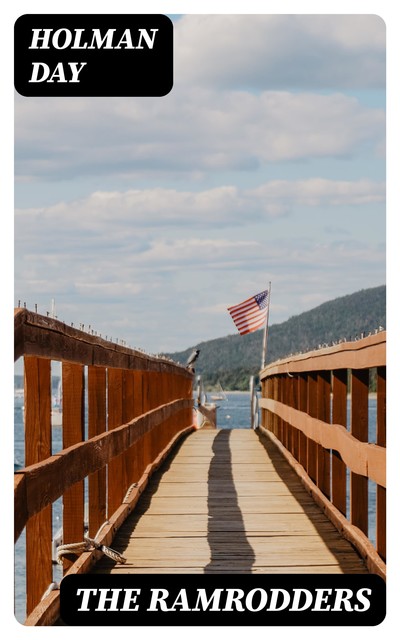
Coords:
pixel 129 491
pixel 89 544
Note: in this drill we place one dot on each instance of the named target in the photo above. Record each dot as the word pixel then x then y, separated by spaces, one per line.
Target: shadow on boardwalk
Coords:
pixel 218 506
pixel 229 547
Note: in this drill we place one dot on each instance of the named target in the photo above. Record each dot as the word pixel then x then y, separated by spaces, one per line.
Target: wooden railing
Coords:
pixel 122 411
pixel 314 406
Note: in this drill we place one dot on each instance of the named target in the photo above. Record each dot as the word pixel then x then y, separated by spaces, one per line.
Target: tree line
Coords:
pixel 231 360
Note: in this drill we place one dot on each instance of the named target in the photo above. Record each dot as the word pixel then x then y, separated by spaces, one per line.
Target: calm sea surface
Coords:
pixel 232 413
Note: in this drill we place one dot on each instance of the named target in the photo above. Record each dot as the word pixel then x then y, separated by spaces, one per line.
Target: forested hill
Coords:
pixel 233 359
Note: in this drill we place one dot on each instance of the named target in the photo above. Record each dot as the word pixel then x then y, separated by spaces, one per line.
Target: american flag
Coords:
pixel 251 314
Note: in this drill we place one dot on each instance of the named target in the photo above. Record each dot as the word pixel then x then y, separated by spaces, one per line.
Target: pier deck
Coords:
pixel 227 501
pixel 272 499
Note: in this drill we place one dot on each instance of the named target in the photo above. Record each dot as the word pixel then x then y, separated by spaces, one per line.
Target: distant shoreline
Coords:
pixel 215 391
pixel 237 391
pixel 371 394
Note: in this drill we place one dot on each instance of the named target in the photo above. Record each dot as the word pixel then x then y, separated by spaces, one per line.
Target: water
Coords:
pixel 19 552
pixel 234 412
pixel 231 413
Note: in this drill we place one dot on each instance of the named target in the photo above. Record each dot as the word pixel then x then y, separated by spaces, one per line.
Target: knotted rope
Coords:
pixel 129 491
pixel 89 544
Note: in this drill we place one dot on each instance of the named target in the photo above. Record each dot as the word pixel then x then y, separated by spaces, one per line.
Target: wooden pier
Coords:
pixel 288 496
pixel 228 502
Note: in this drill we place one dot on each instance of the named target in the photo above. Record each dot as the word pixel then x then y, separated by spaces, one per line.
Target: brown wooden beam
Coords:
pixel 97 422
pixel 37 448
pixel 381 441
pixel 359 429
pixel 47 337
pixel 365 459
pixel 362 354
pixel 46 481
pixel 339 416
pixel 73 433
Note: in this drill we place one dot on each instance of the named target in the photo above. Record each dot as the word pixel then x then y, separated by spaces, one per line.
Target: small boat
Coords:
pixel 18 397
pixel 56 418
pixel 56 409
pixel 220 395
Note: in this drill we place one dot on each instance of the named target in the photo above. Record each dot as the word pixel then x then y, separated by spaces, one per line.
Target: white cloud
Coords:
pixel 274 51
pixel 206 130
pixel 255 98
pixel 318 191
pixel 120 218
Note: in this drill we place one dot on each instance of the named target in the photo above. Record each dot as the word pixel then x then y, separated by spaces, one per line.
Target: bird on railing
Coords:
pixel 192 358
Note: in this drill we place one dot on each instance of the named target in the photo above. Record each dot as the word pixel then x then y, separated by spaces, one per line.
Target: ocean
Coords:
pixel 232 413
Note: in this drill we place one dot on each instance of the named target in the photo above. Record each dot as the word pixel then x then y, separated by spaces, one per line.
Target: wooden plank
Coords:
pixel 339 416
pixel 323 414
pixel 220 569
pixel 381 521
pixel 361 354
pixel 359 429
pixel 312 445
pixel 257 524
pixel 361 457
pixel 238 469
pixel 381 441
pixel 117 481
pixel 37 376
pixel 269 549
pixel 381 407
pixel 302 406
pixel 37 380
pixel 73 432
pixel 46 612
pixel 283 398
pixel 249 504
pixel 127 415
pixel 47 337
pixel 97 424
pixel 146 407
pixel 188 520
pixel 138 410
pixel 294 402
pixel 46 481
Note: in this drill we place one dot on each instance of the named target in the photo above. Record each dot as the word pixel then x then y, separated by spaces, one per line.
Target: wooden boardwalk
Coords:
pixel 228 502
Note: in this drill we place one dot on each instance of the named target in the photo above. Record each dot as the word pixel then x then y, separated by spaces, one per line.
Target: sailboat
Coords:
pixel 221 395
pixel 56 409
pixel 18 397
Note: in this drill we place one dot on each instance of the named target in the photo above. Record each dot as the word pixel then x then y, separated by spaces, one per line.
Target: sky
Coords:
pixel 146 218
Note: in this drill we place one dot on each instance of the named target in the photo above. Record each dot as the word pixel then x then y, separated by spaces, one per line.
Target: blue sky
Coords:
pixel 147 217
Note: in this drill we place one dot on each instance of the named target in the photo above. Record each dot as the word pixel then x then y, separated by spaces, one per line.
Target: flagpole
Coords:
pixel 265 339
